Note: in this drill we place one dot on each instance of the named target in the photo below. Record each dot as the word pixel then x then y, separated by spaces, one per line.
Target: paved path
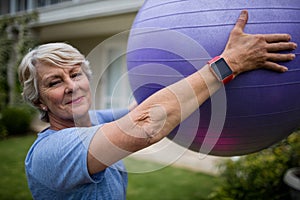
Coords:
pixel 168 153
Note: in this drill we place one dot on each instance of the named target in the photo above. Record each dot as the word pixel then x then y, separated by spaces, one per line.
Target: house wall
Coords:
pixel 87 24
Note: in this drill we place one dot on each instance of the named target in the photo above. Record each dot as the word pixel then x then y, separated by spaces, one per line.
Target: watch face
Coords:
pixel 221 69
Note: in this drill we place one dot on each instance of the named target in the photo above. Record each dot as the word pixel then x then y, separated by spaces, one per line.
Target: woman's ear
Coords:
pixel 40 105
pixel 43 107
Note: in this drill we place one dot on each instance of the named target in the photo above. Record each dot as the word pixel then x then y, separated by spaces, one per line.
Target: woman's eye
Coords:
pixel 53 83
pixel 76 75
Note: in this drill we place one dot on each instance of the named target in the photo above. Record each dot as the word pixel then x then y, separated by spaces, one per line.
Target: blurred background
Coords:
pixel 85 24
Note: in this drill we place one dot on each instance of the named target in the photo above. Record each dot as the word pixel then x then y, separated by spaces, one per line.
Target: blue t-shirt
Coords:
pixel 56 165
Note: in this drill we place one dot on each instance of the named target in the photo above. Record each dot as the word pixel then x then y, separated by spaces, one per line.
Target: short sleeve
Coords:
pixel 59 161
pixel 105 116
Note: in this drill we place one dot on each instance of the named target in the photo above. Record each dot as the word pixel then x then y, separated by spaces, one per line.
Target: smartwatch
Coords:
pixel 221 69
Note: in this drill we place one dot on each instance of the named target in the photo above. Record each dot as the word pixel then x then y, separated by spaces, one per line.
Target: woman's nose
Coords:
pixel 71 86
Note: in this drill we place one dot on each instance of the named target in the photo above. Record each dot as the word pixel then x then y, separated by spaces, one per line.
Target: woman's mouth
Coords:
pixel 75 101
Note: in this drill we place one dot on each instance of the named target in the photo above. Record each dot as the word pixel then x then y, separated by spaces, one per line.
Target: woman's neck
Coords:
pixel 59 124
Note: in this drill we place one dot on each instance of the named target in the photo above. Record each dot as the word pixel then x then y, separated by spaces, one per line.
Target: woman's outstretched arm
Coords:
pixel 159 114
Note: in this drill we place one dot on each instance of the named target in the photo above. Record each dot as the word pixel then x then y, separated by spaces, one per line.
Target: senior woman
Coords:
pixel 76 159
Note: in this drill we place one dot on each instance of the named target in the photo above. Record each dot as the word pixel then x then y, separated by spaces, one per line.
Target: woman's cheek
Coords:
pixel 55 96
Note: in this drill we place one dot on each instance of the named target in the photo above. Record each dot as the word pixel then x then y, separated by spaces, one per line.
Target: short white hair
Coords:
pixel 54 54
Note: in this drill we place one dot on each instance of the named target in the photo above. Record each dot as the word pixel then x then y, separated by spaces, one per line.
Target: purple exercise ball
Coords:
pixel 171 39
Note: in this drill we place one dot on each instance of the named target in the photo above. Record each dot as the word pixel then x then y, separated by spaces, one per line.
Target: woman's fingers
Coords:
pixel 241 22
pixel 281 46
pixel 270 38
pixel 275 57
pixel 275 67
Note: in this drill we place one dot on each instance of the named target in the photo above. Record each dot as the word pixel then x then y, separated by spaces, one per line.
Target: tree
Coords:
pixel 15 39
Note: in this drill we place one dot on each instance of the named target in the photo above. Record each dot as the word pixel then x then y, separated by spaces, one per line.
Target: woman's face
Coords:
pixel 64 92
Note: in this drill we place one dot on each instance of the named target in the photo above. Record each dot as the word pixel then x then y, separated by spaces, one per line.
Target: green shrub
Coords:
pixel 260 175
pixel 17 120
pixel 3 132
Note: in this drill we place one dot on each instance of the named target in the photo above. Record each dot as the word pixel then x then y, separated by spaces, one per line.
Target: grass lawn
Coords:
pixel 13 183
pixel 167 183
pixel 170 183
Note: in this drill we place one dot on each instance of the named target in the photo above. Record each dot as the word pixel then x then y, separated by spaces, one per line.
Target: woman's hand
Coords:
pixel 245 52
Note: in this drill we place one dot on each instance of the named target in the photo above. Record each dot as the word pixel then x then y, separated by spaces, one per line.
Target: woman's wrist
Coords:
pixel 233 64
pixel 221 69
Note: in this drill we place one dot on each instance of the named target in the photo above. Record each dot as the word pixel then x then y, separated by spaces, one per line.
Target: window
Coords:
pixel 4 7
pixel 43 3
pixel 116 89
pixel 14 6
pixel 113 90
pixel 21 5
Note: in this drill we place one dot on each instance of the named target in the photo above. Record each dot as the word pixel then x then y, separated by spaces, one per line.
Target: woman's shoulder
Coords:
pixel 64 152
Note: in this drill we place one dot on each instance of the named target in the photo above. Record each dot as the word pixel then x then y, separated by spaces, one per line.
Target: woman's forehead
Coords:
pixel 45 70
pixel 50 67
